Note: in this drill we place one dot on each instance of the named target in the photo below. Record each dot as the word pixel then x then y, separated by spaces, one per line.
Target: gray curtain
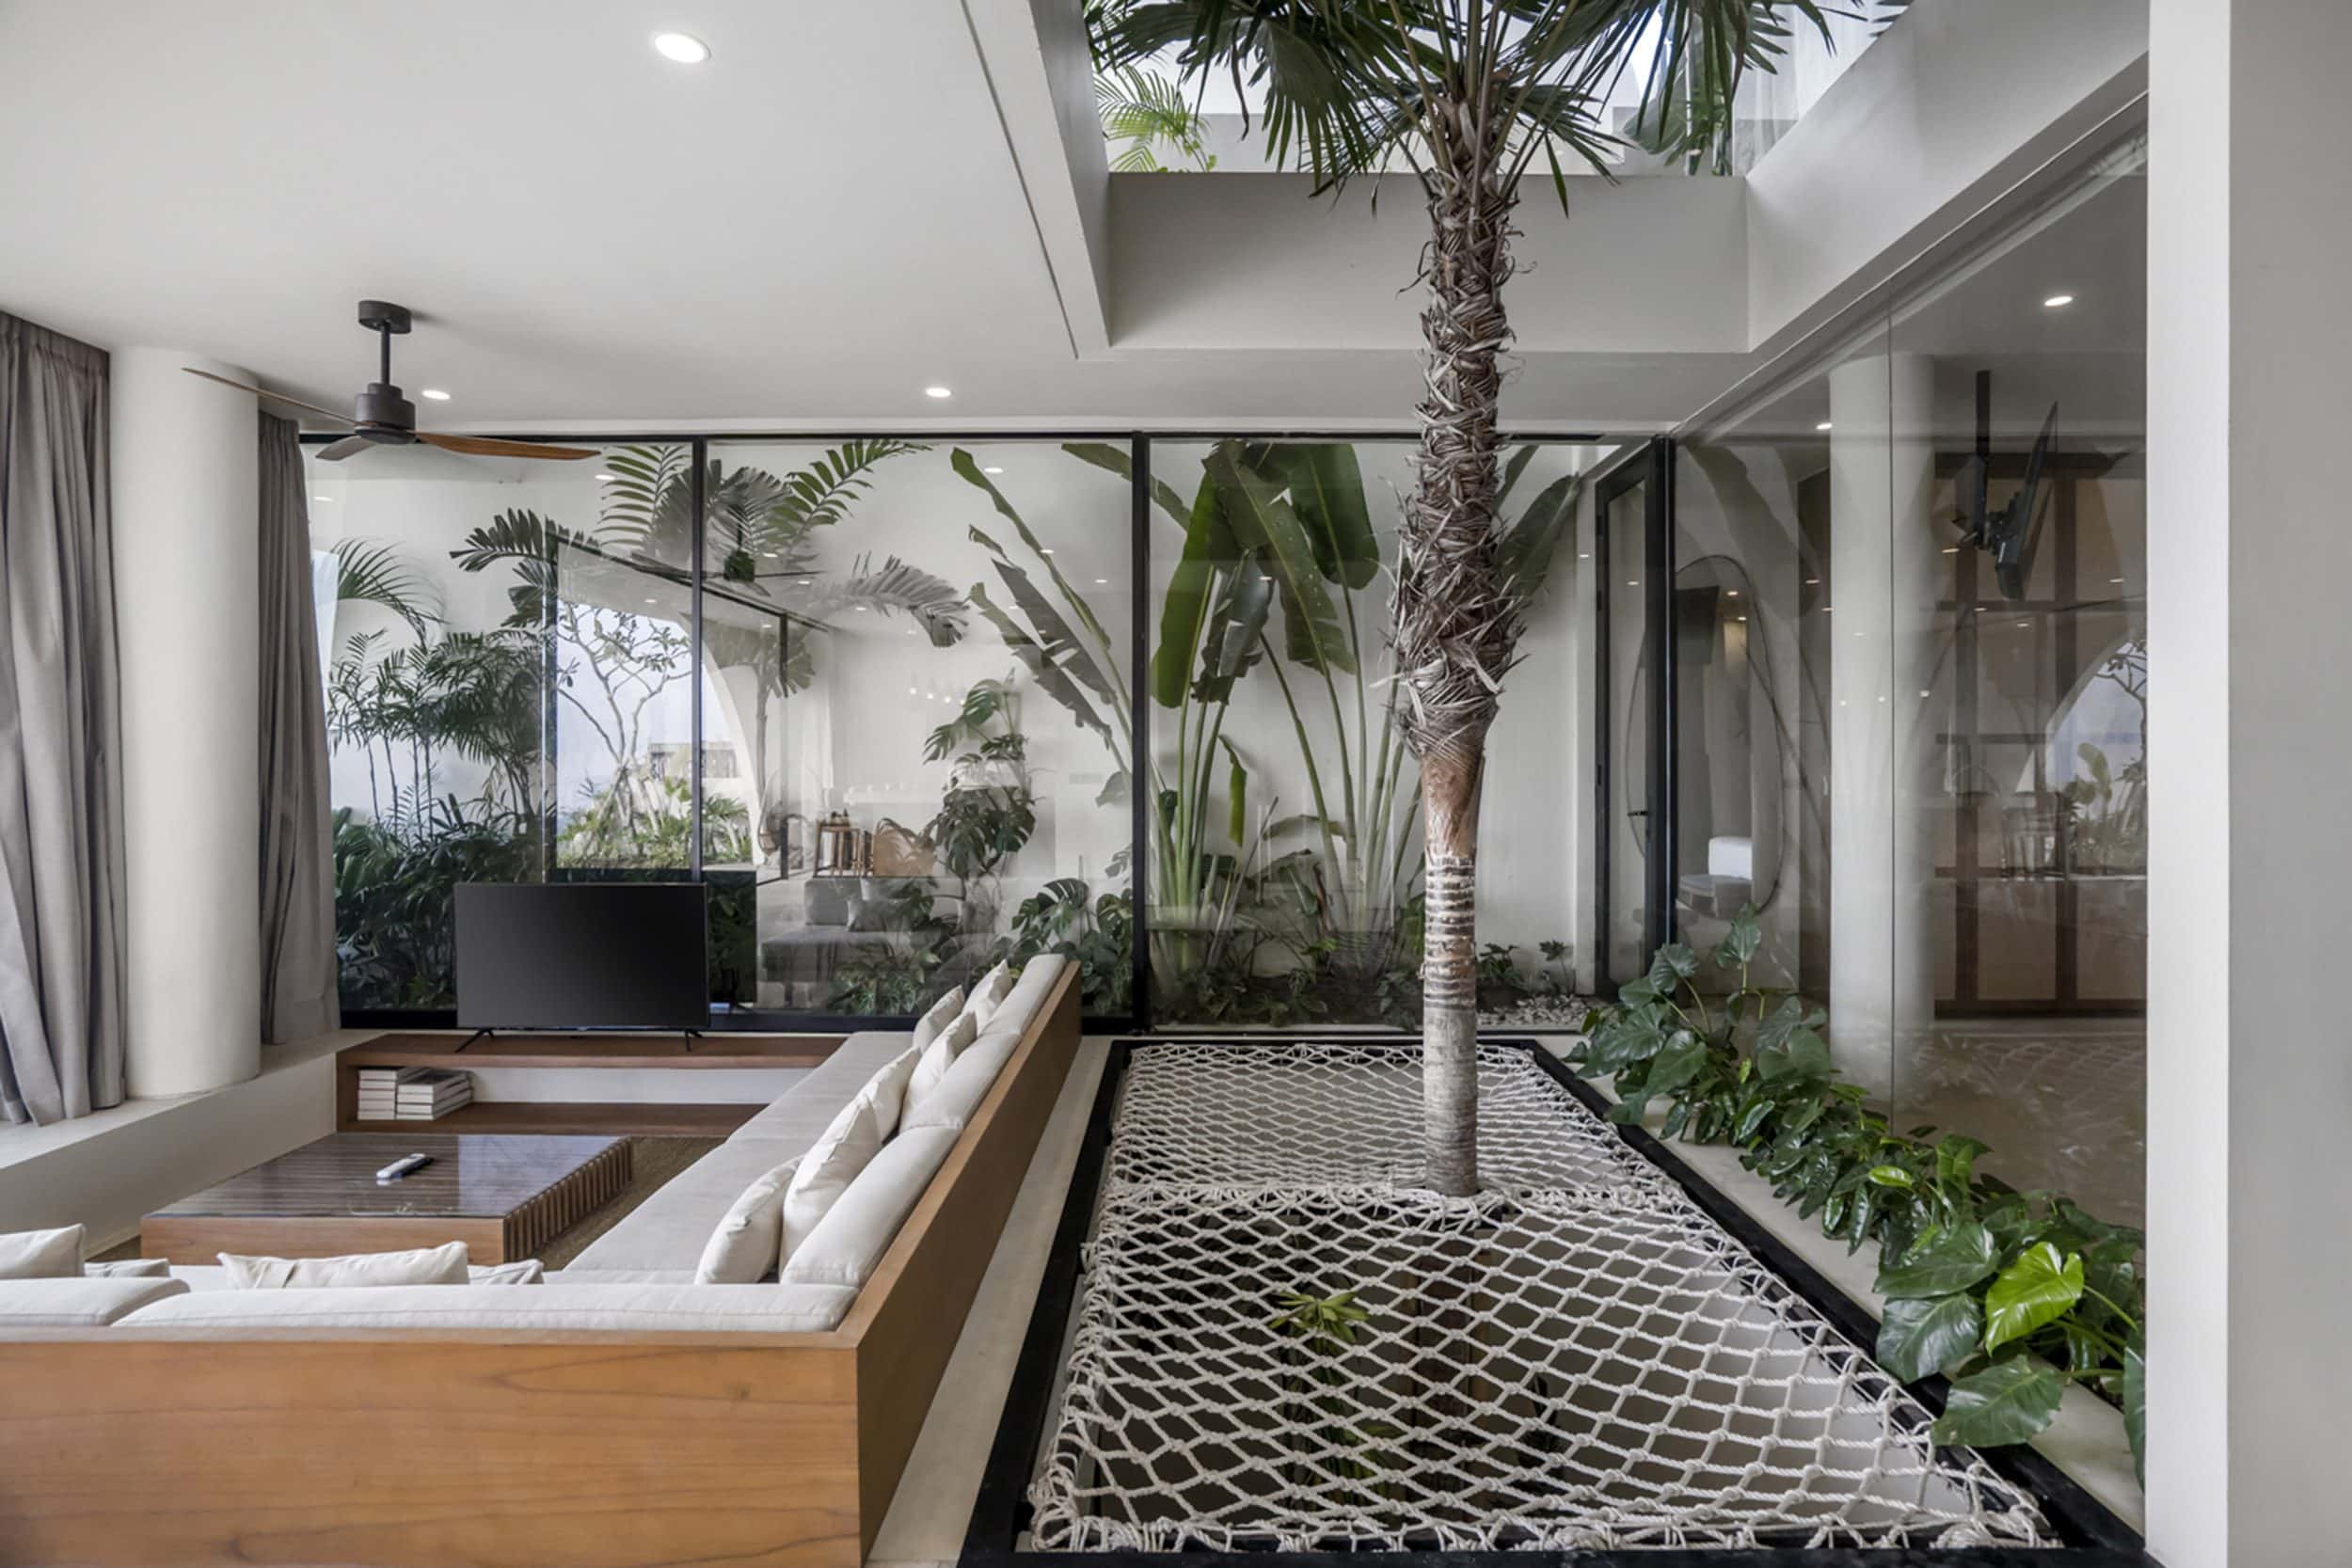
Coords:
pixel 61 862
pixel 298 874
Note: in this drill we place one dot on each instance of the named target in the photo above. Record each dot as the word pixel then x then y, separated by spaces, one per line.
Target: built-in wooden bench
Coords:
pixel 519 1448
pixel 704 1052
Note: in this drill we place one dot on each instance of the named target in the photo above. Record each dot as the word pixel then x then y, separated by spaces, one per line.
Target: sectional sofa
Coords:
pixel 620 1414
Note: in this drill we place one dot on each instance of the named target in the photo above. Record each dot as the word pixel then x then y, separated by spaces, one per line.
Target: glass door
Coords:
pixel 1634 871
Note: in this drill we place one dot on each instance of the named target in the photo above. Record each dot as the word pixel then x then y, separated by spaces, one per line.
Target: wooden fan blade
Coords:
pixel 275 397
pixel 482 446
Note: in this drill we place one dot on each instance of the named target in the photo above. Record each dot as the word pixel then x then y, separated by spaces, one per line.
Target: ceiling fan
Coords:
pixel 385 417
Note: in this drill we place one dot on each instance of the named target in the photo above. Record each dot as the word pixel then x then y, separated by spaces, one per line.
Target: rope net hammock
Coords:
pixel 1578 1357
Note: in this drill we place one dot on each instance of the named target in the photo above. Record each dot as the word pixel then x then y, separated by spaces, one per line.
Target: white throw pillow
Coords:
pixel 129 1268
pixel 936 1058
pixel 988 994
pixel 942 1012
pixel 855 1136
pixel 522 1271
pixel 441 1265
pixel 41 1254
pixel 750 1237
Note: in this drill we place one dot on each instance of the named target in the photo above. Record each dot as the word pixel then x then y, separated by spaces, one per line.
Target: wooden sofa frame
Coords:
pixel 515 1449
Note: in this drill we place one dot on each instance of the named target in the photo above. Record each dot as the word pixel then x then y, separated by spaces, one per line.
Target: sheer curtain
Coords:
pixel 61 861
pixel 297 877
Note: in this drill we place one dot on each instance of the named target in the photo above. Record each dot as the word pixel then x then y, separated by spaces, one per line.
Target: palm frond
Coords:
pixel 932 602
pixel 371 573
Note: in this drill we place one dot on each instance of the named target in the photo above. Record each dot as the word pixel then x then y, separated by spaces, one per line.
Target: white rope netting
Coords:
pixel 1577 1357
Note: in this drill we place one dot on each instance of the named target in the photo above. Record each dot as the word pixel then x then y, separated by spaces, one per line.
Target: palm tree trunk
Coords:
pixel 1450 789
pixel 1456 630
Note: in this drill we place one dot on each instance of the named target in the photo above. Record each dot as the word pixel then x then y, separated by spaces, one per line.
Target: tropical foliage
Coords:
pixel 1145 114
pixel 1467 95
pixel 2009 1295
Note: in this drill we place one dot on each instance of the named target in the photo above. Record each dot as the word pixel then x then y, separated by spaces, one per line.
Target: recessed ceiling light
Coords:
pixel 2057 302
pixel 1823 425
pixel 603 478
pixel 1047 549
pixel 1585 555
pixel 1104 582
pixel 329 499
pixel 991 470
pixel 684 48
pixel 1731 593
pixel 1951 549
pixel 653 601
pixel 2110 579
pixel 804 582
pixel 435 393
pixel 938 393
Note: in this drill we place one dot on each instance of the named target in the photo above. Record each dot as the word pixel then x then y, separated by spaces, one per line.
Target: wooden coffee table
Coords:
pixel 505 1198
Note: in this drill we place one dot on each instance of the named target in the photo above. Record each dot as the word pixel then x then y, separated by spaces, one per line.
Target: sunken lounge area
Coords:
pixel 1078 783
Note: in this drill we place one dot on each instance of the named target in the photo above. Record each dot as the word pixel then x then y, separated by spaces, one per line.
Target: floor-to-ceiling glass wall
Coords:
pixel 1911 657
pixel 1284 846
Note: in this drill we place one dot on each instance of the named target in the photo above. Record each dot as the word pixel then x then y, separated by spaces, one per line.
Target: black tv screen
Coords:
pixel 582 955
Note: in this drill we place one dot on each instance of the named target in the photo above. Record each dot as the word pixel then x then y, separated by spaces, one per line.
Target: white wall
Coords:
pixel 2250 1265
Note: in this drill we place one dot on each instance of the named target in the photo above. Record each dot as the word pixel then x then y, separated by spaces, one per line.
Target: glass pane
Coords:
pixel 1626 940
pixel 915 715
pixel 1286 840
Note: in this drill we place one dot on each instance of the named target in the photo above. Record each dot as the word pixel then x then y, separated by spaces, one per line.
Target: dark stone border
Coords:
pixel 2092 1536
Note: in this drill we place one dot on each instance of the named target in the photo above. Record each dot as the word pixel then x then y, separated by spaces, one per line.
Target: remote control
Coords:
pixel 401 1168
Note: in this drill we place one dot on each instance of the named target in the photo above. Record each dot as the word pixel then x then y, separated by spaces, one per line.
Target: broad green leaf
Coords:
pixel 1943 1261
pixel 1779 1024
pixel 1259 517
pixel 1956 1159
pixel 1677 1063
pixel 1237 794
pixel 1673 963
pixel 1891 1176
pixel 1741 942
pixel 1523 557
pixel 2037 1289
pixel 2136 1410
pixel 1236 630
pixel 1041 666
pixel 1209 550
pixel 1921 1335
pixel 969 470
pixel 2004 1403
pixel 1327 491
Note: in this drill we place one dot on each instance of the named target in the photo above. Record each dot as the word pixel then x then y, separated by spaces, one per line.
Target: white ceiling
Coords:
pixel 805 231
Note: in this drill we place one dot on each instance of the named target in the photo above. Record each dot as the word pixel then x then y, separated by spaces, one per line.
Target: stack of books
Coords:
pixel 412 1093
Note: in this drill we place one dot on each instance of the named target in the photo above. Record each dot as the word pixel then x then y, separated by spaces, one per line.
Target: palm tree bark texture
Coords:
pixel 1457 632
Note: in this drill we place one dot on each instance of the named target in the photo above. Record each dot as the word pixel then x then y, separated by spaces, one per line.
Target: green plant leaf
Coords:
pixel 1102 455
pixel 1941 1262
pixel 1742 941
pixel 2004 1403
pixel 1921 1335
pixel 1956 1159
pixel 1676 1062
pixel 2039 1288
pixel 2136 1410
pixel 1210 550
pixel 1327 488
pixel 1524 554
pixel 1673 965
pixel 1261 517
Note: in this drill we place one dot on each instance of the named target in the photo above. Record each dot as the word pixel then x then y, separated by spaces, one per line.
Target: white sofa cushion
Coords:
pixel 858 1229
pixel 748 1237
pixel 988 994
pixel 74 1301
pixel 522 1271
pixel 558 1304
pixel 622 1276
pixel 669 1230
pixel 933 1060
pixel 940 1014
pixel 959 1095
pixel 439 1265
pixel 1029 993
pixel 128 1268
pixel 800 1117
pixel 854 1138
pixel 41 1254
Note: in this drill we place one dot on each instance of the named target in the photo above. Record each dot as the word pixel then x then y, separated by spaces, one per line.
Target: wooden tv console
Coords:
pixel 704 1052
pixel 518 1448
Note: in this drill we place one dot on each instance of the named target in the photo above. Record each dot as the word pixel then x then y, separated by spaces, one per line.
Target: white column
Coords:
pixel 1883 556
pixel 2249 1077
pixel 187 603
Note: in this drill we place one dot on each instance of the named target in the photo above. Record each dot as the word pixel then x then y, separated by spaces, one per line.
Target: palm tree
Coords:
pixel 1466 95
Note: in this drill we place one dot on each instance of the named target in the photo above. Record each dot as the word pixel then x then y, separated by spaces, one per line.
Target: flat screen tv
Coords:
pixel 582 955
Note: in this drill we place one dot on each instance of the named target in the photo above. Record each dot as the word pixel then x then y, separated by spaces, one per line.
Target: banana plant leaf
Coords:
pixel 1327 489
pixel 1262 519
pixel 1236 629
pixel 1209 545
pixel 1104 455
pixel 963 465
pixel 1050 676
pixel 1525 553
